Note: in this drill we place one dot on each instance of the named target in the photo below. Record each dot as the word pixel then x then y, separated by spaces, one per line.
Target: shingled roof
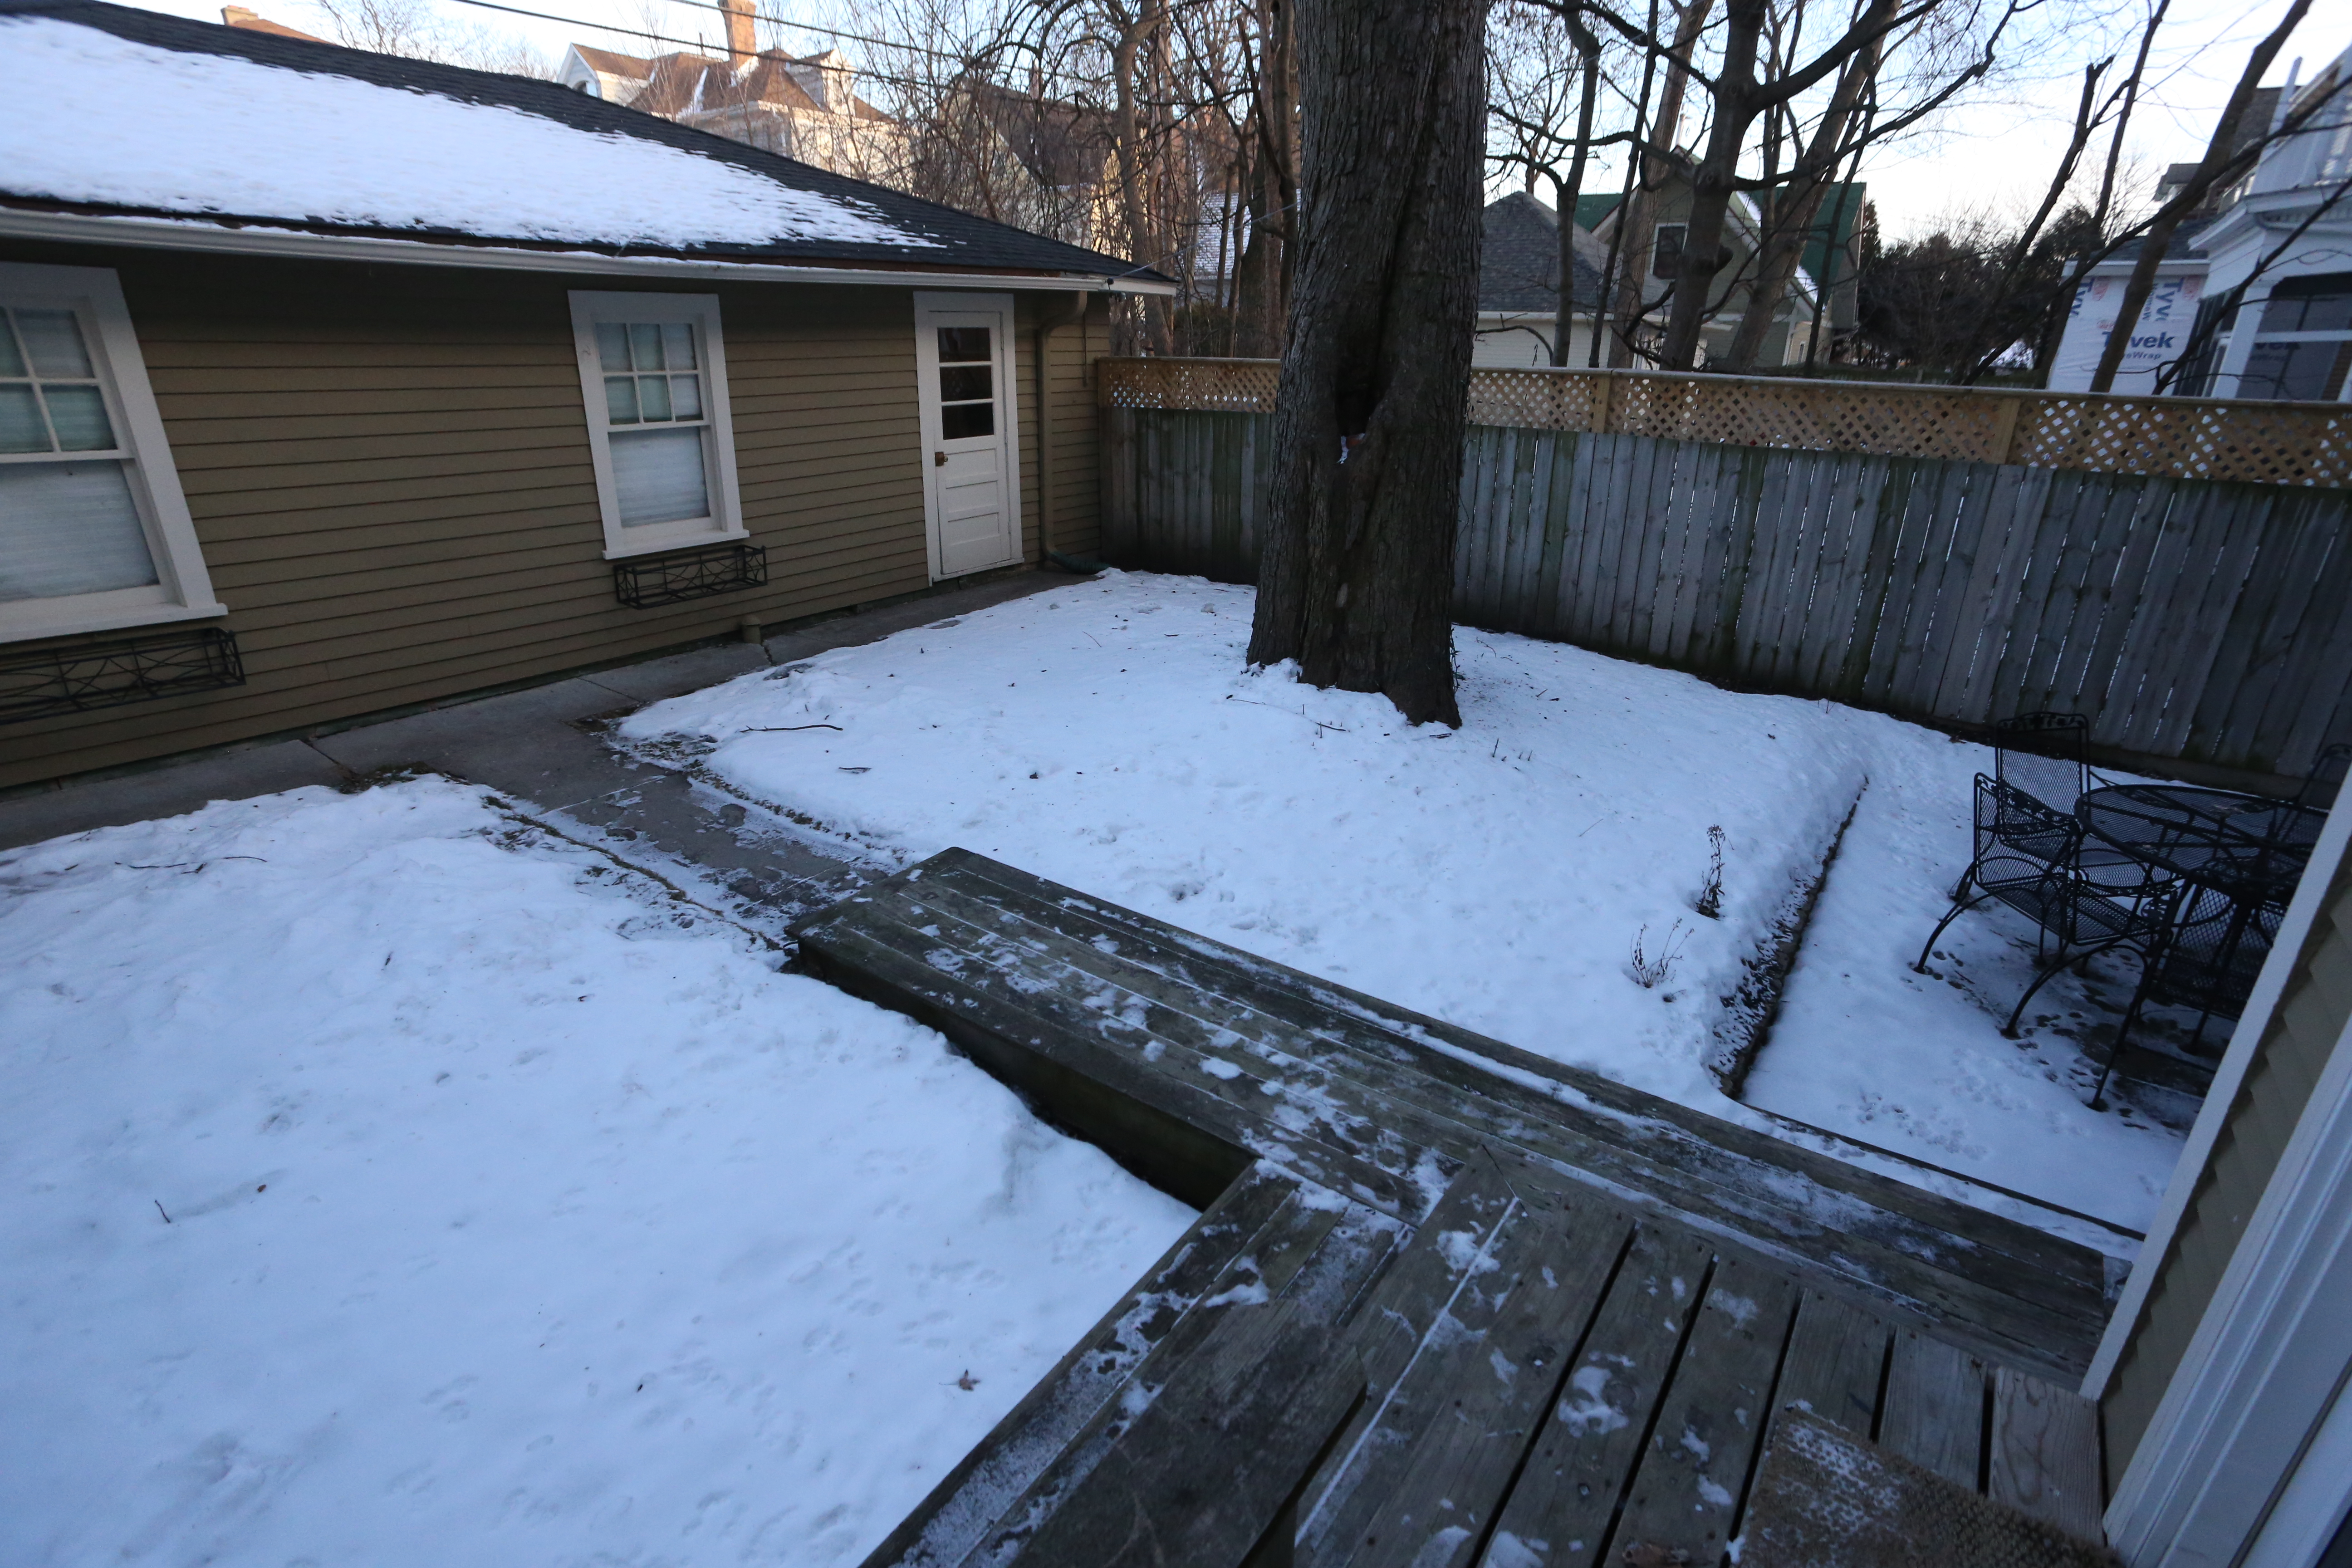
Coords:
pixel 1521 270
pixel 292 134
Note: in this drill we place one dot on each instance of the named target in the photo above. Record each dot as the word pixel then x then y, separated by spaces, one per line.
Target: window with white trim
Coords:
pixel 653 369
pixel 94 531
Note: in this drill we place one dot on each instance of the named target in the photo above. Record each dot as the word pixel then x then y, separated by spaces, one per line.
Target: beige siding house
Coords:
pixel 2225 1379
pixel 264 474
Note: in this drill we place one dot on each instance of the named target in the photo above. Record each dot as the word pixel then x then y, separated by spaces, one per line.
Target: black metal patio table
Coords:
pixel 2243 846
pixel 2231 861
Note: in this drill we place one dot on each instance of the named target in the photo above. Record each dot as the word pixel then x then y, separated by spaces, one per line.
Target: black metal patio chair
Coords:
pixel 2027 856
pixel 2042 755
pixel 2209 950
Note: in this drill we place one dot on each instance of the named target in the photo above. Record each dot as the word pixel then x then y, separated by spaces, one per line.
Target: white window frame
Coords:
pixel 183 590
pixel 725 520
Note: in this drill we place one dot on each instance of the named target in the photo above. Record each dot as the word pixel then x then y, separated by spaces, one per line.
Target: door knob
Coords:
pixel 938 459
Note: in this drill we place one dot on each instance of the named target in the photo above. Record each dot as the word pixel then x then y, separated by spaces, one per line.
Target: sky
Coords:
pixel 1994 157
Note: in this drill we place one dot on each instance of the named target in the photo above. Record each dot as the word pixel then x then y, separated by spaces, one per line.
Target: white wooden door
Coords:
pixel 963 356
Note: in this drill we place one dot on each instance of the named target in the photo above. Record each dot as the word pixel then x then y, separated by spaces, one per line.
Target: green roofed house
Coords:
pixel 1828 261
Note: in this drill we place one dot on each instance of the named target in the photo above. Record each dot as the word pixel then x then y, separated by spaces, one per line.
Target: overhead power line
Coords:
pixel 697 43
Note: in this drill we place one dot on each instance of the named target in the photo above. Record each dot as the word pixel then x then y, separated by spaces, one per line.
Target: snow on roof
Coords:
pixel 173 131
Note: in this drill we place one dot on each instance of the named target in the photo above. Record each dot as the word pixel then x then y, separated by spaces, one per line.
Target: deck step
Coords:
pixel 1447 1302
pixel 1188 1058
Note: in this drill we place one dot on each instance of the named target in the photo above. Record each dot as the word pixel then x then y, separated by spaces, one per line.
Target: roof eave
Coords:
pixel 197 234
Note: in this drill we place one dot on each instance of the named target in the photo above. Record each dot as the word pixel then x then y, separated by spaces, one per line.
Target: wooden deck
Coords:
pixel 1447 1302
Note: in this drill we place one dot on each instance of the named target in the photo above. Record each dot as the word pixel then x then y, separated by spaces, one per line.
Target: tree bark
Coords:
pixel 1262 277
pixel 1739 98
pixel 1355 580
pixel 1713 182
pixel 1791 216
pixel 1126 137
pixel 1637 221
pixel 1564 197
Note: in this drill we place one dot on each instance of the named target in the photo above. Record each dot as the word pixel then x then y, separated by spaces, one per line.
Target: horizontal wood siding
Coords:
pixel 2195 621
pixel 388 470
pixel 2287 1062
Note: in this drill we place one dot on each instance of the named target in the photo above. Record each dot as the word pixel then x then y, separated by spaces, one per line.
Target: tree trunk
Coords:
pixel 2217 162
pixel 1713 182
pixel 1637 220
pixel 1564 199
pixel 1355 580
pixel 1126 137
pixel 1262 278
pixel 1791 219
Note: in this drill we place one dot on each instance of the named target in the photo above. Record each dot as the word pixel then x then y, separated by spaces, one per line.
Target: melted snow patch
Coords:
pixel 1587 1409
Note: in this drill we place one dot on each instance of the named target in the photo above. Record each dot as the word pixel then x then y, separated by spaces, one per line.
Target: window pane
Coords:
pixel 2329 312
pixel 659 476
pixel 964 383
pixel 55 343
pixel 645 345
pixel 1667 261
pixel 965 343
pixel 677 345
pixel 21 429
pixel 653 396
pixel 78 414
pixel 613 346
pixel 2318 303
pixel 958 420
pixel 11 362
pixel 686 397
pixel 621 399
pixel 68 528
pixel 2295 371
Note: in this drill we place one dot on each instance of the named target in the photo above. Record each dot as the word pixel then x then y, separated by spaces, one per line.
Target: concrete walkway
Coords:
pixel 545 748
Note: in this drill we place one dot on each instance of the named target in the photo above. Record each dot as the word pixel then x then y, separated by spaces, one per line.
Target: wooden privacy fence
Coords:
pixel 2185 580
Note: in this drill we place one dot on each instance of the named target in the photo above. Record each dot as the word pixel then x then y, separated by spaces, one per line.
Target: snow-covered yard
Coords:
pixel 383 1169
pixel 384 1183
pixel 1107 735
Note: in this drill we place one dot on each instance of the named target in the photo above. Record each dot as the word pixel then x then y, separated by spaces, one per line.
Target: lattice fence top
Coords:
pixel 2177 438
pixel 1220 385
pixel 1896 421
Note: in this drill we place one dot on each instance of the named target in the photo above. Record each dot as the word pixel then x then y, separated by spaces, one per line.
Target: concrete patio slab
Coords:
pixel 543 746
pixel 164 792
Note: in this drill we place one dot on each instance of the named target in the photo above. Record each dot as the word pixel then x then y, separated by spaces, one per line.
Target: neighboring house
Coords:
pixel 1829 245
pixel 1793 316
pixel 244 16
pixel 1519 286
pixel 2290 335
pixel 2165 321
pixel 2251 324
pixel 2262 113
pixel 333 383
pixel 804 108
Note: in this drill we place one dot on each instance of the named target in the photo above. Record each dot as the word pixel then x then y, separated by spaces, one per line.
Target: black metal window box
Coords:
pixel 684 574
pixel 75 680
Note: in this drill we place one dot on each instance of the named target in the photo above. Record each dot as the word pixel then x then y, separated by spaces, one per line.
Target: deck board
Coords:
pixel 1577 1470
pixel 1448 1302
pixel 1693 1474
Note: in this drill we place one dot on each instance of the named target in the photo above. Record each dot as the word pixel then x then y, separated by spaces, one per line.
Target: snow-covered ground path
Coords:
pixel 1107 735
pixel 383 1184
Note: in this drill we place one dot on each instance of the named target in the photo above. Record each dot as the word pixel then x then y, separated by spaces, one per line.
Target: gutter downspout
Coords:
pixel 1050 318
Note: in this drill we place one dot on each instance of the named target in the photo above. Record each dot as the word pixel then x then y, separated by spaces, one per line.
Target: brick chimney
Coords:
pixel 741 46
